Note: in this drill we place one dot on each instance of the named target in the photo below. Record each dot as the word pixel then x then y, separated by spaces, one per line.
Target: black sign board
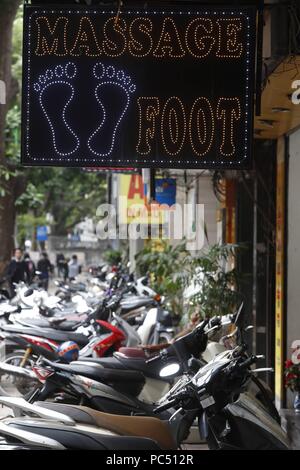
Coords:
pixel 150 88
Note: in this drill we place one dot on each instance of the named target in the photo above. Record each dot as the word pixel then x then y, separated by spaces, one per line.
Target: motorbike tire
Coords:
pixel 19 386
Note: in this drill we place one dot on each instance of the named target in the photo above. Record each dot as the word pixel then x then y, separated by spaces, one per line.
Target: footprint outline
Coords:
pixel 116 78
pixel 52 77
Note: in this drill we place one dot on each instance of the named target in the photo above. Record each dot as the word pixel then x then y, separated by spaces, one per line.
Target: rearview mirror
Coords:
pixel 248 328
pixel 238 315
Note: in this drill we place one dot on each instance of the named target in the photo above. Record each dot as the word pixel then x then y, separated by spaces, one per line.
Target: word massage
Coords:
pixel 150 85
pixel 139 37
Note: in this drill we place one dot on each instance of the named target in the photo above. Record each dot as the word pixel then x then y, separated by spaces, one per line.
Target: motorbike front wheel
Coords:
pixel 16 386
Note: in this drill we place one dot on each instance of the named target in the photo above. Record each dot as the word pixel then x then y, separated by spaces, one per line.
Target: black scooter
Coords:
pixel 116 385
pixel 228 418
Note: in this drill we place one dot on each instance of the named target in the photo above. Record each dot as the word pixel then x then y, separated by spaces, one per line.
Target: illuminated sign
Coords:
pixel 150 88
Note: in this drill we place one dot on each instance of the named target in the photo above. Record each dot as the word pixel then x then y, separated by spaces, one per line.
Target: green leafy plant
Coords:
pixel 211 275
pixel 164 266
pixel 12 134
pixel 112 257
pixel 216 280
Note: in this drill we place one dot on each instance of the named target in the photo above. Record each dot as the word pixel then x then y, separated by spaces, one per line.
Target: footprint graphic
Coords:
pixel 113 94
pixel 56 93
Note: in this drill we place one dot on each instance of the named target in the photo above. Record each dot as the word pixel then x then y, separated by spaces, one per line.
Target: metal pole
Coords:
pixel 254 288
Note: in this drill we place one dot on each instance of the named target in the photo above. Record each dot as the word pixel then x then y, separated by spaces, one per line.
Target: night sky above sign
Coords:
pixel 171 88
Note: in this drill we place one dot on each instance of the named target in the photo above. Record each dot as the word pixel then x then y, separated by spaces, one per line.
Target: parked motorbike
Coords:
pixel 137 378
pixel 128 383
pixel 95 337
pixel 228 417
pixel 98 338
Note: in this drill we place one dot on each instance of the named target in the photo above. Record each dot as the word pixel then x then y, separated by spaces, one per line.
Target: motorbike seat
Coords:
pixel 95 372
pixel 138 426
pixel 48 333
pixel 65 325
pixel 61 324
pixel 134 303
pixel 132 352
pixel 75 438
pixel 120 362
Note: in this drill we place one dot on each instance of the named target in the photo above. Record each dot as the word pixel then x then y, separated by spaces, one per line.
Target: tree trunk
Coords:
pixel 8 10
pixel 7 227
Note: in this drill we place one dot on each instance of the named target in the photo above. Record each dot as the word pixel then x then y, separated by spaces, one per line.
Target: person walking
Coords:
pixel 30 268
pixel 66 269
pixel 60 264
pixel 45 268
pixel 74 267
pixel 16 271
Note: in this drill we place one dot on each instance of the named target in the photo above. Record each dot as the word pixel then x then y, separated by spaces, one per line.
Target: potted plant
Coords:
pixel 292 381
pixel 216 280
pixel 164 264
pixel 203 284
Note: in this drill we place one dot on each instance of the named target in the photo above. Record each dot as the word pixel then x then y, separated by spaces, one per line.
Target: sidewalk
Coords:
pixel 290 422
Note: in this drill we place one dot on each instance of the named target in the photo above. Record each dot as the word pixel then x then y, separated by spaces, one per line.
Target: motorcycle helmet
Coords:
pixel 68 351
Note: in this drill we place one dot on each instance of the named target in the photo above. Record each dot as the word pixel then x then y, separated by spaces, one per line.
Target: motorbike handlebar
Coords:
pixel 215 321
pixel 162 355
pixel 186 339
pixel 184 394
pixel 229 370
pixel 238 367
pixel 200 328
pixel 247 363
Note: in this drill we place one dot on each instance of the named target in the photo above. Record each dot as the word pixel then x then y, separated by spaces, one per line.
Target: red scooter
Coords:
pixel 103 341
